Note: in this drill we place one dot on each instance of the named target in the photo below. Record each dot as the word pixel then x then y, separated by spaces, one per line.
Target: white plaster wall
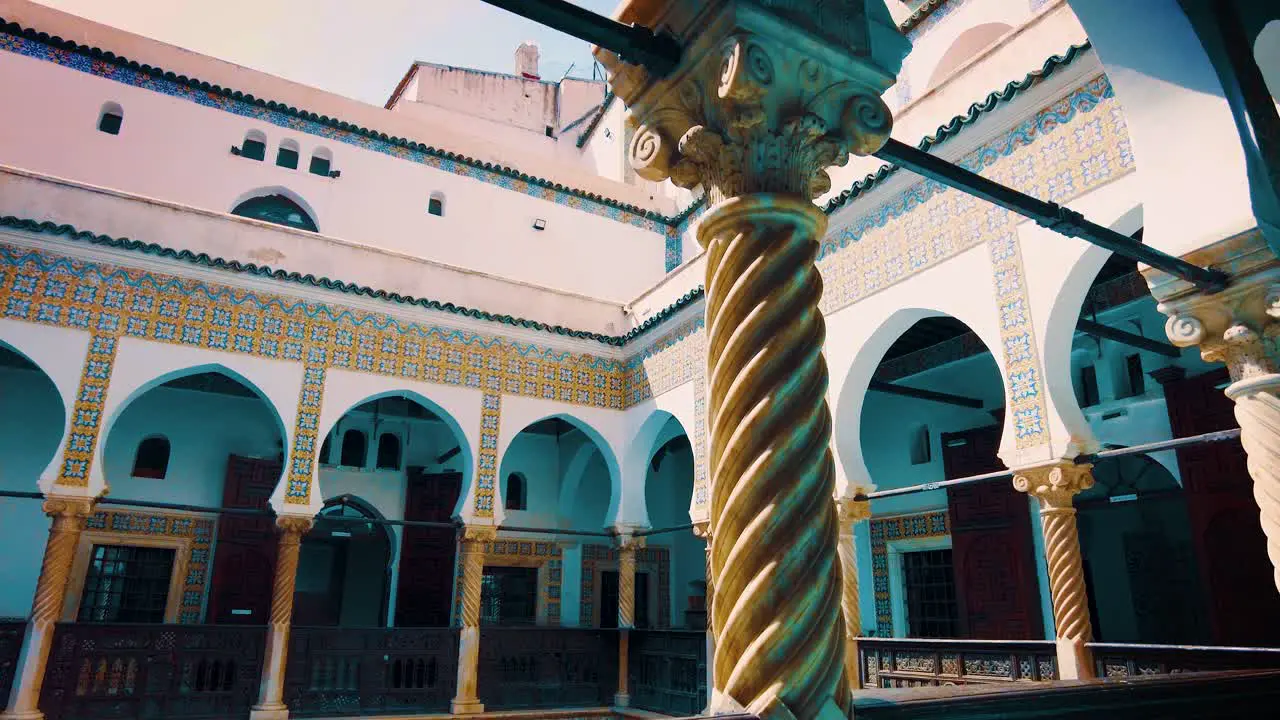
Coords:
pixel 379 201
pixel 235 238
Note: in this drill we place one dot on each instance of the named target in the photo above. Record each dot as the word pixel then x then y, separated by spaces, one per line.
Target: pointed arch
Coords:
pixel 594 442
pixel 37 420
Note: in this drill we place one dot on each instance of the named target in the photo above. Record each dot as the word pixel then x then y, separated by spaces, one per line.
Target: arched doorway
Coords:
pixel 1139 560
pixel 668 489
pixel 32 417
pixel 954 562
pixel 344 568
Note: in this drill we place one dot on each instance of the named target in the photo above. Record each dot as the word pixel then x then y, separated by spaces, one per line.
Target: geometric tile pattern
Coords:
pixel 548 557
pixel 183 89
pixel 487 466
pixel 199 529
pixel 86 415
pixel 302 459
pixel 923 525
pixel 671 361
pixel 656 561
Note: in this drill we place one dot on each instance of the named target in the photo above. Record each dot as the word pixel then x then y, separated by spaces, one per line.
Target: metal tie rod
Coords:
pixel 1202 439
pixel 1051 215
pixel 657 52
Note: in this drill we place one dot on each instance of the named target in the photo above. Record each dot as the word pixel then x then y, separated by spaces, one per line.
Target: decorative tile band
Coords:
pixel 653 560
pixel 199 529
pixel 1017 339
pixel 108 66
pixel 884 530
pixel 522 553
pixel 94 377
pixel 701 490
pixel 302 460
pixel 487 464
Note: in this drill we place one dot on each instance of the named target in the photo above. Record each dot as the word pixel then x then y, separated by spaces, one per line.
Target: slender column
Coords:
pixel 766 97
pixel 1055 486
pixel 473 541
pixel 851 512
pixel 68 514
pixel 627 548
pixel 270 704
pixel 1240 327
pixel 703 530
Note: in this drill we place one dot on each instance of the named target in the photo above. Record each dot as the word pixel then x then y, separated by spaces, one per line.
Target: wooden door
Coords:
pixel 1231 549
pixel 425 593
pixel 245 555
pixel 991 543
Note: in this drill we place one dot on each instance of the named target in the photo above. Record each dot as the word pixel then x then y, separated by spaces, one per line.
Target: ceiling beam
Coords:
pixel 881 386
pixel 1097 329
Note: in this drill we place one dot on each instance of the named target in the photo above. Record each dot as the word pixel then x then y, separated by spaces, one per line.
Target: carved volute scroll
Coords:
pixel 769 94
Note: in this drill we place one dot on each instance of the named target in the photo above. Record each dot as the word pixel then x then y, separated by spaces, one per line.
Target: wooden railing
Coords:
pixel 667 671
pixel 547 667
pixel 1124 660
pixel 370 671
pixel 152 671
pixel 10 648
pixel 914 662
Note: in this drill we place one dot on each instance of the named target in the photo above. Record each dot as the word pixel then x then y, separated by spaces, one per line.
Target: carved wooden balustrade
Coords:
pixel 668 671
pixel 152 671
pixel 368 671
pixel 10 648
pixel 547 667
pixel 916 662
pixel 1125 660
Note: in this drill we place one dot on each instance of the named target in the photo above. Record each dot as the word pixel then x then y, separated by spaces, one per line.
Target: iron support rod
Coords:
pixel 1211 437
pixel 1051 215
pixel 659 531
pixel 1090 327
pixel 657 52
pixel 921 394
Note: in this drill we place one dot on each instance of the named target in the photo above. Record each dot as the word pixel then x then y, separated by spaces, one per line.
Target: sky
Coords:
pixel 356 48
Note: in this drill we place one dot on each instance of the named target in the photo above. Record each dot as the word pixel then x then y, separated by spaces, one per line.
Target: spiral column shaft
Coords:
pixel 851 512
pixel 68 515
pixel 1258 412
pixel 1055 486
pixel 270 704
pixel 780 637
pixel 472 551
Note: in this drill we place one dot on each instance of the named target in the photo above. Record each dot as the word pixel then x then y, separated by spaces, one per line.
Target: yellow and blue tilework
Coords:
pixel 521 553
pixel 487 463
pixel 86 414
pixel 883 530
pixel 199 529
pixel 303 458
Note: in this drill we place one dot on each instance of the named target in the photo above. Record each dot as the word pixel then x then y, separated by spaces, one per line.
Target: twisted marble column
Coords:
pixel 270 704
pixel 68 515
pixel 1055 486
pixel 769 99
pixel 851 512
pixel 628 546
pixel 474 538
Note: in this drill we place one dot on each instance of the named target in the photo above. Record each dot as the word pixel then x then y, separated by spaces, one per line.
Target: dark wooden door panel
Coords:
pixel 991 543
pixel 244 560
pixel 1225 528
pixel 425 593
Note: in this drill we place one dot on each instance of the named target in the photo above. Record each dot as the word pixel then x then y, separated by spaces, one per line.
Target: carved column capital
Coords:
pixel 479 533
pixel 703 530
pixel 293 527
pixel 852 512
pixel 68 508
pixel 1054 485
pixel 630 544
pixel 768 95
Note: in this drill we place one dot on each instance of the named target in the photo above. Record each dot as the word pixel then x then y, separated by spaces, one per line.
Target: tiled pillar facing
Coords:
pixel 270 704
pixel 68 516
pixel 86 419
pixel 1055 486
pixel 851 512
pixel 756 116
pixel 1239 326
pixel 474 537
pixel 627 547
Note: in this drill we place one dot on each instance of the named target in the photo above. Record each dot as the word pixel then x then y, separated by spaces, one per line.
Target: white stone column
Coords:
pixel 474 537
pixel 270 704
pixel 1239 326
pixel 68 514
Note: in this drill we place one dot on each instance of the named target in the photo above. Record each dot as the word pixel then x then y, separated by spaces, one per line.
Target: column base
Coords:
pixel 269 712
pixel 466 707
pixel 32 715
pixel 1075 661
pixel 621 700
